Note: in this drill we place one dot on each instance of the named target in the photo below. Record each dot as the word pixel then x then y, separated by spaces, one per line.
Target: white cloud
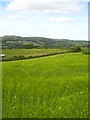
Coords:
pixel 83 0
pixel 12 17
pixel 66 6
pixel 61 19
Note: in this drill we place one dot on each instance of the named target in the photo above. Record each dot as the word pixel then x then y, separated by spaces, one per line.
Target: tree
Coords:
pixel 76 49
pixel 29 46
pixel 43 45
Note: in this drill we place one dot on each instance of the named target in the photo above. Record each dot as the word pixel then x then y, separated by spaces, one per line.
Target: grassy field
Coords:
pixel 29 52
pixel 48 87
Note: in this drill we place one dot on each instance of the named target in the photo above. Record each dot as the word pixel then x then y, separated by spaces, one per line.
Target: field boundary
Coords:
pixel 15 58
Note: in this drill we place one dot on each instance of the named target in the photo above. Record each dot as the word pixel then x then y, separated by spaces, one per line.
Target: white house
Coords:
pixel 2 55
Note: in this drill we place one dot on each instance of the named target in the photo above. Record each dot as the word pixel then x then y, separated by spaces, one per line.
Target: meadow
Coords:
pixel 48 87
pixel 30 52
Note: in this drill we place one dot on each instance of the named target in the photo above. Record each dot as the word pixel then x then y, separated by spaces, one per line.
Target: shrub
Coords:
pixel 21 57
pixel 28 57
pixel 76 49
pixel 86 51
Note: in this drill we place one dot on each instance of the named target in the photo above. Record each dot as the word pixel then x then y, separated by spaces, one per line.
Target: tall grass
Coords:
pixel 48 87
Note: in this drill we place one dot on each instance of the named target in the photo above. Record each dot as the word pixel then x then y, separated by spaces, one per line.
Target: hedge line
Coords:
pixel 21 57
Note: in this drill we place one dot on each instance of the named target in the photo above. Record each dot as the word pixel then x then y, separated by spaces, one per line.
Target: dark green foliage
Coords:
pixel 86 51
pixel 43 45
pixel 14 45
pixel 21 57
pixel 39 42
pixel 29 46
pixel 76 49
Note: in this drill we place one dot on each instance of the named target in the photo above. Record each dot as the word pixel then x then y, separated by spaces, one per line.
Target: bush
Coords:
pixel 29 57
pixel 30 46
pixel 21 57
pixel 86 51
pixel 76 49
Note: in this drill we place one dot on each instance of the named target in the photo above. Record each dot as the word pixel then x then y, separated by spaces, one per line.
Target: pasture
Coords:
pixel 29 52
pixel 48 87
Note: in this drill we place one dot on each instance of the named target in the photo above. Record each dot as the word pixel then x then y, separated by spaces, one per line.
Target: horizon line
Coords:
pixel 45 37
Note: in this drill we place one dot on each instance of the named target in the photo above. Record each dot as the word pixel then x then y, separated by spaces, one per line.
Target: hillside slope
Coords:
pixel 20 42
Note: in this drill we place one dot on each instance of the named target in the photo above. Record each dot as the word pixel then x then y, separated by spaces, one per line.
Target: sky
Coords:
pixel 59 19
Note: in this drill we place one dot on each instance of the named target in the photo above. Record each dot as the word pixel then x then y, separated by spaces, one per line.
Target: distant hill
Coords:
pixel 21 42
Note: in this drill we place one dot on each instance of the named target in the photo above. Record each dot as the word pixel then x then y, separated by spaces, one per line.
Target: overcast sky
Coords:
pixel 61 19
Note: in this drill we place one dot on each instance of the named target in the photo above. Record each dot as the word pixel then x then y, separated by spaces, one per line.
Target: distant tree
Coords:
pixel 29 46
pixel 43 45
pixel 76 48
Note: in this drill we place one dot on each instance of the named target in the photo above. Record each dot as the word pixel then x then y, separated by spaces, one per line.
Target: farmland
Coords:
pixel 48 87
pixel 27 52
pixel 11 54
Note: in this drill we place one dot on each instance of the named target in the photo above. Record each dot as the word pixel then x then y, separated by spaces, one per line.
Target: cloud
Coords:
pixel 83 0
pixel 47 6
pixel 61 19
pixel 11 16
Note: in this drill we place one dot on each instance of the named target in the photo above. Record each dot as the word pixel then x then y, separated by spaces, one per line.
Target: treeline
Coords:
pixel 84 50
pixel 21 45
pixel 39 42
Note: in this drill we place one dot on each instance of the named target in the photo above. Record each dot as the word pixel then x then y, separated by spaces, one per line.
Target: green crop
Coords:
pixel 48 87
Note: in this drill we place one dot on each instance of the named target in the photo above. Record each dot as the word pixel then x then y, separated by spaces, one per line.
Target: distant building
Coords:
pixel 2 55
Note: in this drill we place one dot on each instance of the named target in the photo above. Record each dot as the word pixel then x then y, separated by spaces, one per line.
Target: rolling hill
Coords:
pixel 21 42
